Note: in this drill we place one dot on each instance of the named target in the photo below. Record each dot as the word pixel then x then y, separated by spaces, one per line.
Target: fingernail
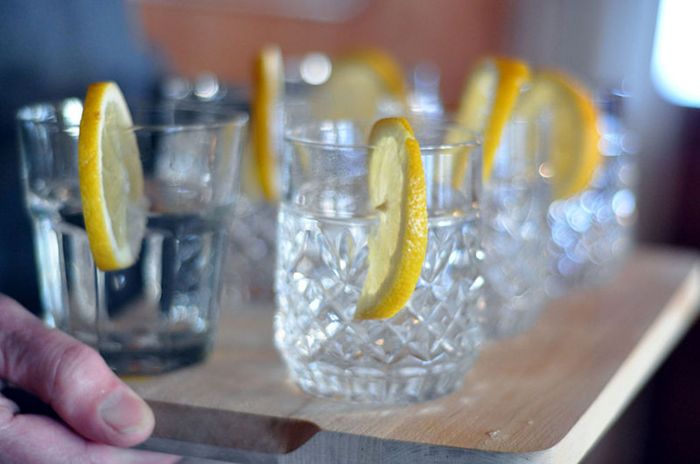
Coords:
pixel 125 412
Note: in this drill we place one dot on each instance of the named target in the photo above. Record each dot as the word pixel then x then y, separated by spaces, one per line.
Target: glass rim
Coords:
pixel 472 139
pixel 49 109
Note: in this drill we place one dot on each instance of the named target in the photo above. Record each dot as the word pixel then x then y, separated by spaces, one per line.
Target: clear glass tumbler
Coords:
pixel 250 263
pixel 250 267
pixel 592 232
pixel 324 223
pixel 515 232
pixel 161 312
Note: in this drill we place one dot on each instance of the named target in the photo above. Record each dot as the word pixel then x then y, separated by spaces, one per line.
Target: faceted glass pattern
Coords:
pixel 515 237
pixel 592 232
pixel 421 353
pixel 250 263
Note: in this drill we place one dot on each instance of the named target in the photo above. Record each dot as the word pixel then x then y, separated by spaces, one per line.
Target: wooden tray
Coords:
pixel 545 396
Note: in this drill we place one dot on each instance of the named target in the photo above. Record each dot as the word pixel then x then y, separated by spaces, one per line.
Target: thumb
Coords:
pixel 72 378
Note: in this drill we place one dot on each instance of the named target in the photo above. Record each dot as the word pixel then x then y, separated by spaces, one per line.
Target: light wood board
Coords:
pixel 545 396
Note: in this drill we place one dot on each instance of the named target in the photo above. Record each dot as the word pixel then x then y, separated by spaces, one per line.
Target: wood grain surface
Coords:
pixel 544 396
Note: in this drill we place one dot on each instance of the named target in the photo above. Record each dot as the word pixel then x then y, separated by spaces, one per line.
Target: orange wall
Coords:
pixel 210 36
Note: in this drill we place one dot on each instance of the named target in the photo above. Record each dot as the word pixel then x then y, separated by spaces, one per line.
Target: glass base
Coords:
pixel 510 325
pixel 147 362
pixel 566 276
pixel 391 388
pixel 508 317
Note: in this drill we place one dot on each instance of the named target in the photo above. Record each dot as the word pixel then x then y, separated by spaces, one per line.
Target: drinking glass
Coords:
pixel 159 313
pixel 515 232
pixel 592 232
pixel 324 223
pixel 251 265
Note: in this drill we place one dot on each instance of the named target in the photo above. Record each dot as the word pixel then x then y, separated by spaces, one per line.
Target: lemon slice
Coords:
pixel 487 102
pixel 371 74
pixel 384 65
pixel 268 90
pixel 111 178
pixel 397 246
pixel 572 121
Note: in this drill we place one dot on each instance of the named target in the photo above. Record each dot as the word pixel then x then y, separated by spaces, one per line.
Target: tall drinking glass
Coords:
pixel 324 223
pixel 515 232
pixel 159 313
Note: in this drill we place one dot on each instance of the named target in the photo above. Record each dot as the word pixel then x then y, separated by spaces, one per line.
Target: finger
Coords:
pixel 30 439
pixel 72 378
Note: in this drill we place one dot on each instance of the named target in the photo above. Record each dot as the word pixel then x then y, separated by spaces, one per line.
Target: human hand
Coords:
pixel 102 414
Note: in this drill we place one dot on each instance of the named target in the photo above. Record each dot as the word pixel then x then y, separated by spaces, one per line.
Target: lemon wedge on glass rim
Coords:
pixel 573 137
pixel 111 178
pixel 397 247
pixel 490 94
pixel 268 92
pixel 358 84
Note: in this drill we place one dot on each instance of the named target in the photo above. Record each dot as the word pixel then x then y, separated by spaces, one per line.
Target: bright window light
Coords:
pixel 675 67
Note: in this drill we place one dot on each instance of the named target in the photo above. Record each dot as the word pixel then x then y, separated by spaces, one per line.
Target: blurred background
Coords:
pixel 647 49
